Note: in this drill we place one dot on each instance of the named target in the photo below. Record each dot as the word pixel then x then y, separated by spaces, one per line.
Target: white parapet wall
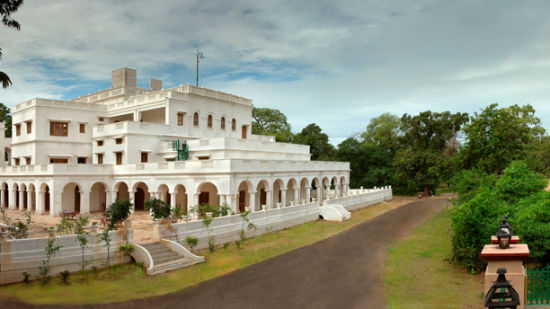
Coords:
pixel 227 229
pixel 26 255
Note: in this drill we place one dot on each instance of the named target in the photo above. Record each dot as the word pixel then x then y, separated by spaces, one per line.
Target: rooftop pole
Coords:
pixel 199 56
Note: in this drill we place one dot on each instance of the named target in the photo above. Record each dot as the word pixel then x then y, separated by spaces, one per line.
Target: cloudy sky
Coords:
pixel 335 63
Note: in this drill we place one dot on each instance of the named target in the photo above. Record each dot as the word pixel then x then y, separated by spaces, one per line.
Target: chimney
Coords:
pixel 124 77
pixel 156 84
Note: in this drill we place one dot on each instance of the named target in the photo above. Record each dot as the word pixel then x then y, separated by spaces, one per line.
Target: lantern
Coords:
pixel 504 234
pixel 502 294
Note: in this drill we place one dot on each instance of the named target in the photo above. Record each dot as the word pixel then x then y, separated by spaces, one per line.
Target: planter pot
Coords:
pixel 209 214
pixel 174 220
pixel 291 203
pixel 93 228
pixel 158 221
pixel 264 207
pixel 128 223
pixel 52 232
pixel 247 208
pixel 3 234
pixel 303 201
pixel 10 221
pixel 313 199
pixel 185 218
pixel 279 205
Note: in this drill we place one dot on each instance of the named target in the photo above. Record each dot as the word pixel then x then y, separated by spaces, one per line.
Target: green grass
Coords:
pixel 418 274
pixel 131 283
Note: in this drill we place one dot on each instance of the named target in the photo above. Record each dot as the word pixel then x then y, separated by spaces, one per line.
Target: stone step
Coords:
pixel 173 265
pixel 166 259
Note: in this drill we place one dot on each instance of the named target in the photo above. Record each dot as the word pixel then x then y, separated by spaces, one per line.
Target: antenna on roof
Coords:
pixel 199 56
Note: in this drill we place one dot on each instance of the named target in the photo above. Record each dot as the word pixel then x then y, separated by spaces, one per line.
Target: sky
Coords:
pixel 334 63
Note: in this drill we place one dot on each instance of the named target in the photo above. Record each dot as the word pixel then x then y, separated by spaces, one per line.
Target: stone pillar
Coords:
pixel 320 195
pixel 268 199
pixel 296 196
pixel 55 208
pixel 109 198
pixel 283 198
pixel 11 198
pixel 173 200
pixel 336 190
pixel 29 199
pixel 84 202
pixel 233 202
pixel 40 202
pixel 131 199
pixel 223 200
pixel 195 205
pixel 252 201
pixel 2 201
pixel 327 189
pixel 21 199
pixel 511 259
pixel 308 194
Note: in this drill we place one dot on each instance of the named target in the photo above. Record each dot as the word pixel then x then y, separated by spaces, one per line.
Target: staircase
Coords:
pixel 168 255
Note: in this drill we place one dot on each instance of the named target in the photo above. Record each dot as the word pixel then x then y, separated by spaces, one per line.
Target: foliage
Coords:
pixel 272 122
pixel 224 210
pixel 420 163
pixel 4 214
pixel 65 227
pixel 191 241
pixel 383 131
pixel 26 277
pixel 246 221
pixel 178 213
pixel 319 147
pixel 118 212
pixel 17 231
pixel 467 183
pixel 27 215
pixel 49 252
pixel 105 237
pixel 8 7
pixel 82 237
pixel 126 249
pixel 532 224
pixel 65 276
pixel 5 117
pixel 214 209
pixel 518 181
pixel 159 209
pixel 497 136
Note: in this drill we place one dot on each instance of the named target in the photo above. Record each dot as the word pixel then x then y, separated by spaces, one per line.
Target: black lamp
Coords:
pixel 504 234
pixel 502 294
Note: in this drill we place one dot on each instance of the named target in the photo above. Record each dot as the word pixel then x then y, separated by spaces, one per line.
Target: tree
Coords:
pixel 320 148
pixel 420 162
pixel 383 131
pixel 7 7
pixel 353 151
pixel 5 117
pixel 497 136
pixel 271 122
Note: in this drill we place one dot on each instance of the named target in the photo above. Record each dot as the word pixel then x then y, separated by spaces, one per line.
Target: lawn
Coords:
pixel 129 282
pixel 418 274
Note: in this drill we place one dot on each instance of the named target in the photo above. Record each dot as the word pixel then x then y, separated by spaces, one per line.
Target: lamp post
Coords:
pixel 504 234
pixel 502 294
pixel 199 56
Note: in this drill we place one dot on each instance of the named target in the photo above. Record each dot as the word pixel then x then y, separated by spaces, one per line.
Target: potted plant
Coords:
pixel 158 208
pixel 264 207
pixel 128 224
pixel 51 231
pixel 118 212
pixel 93 227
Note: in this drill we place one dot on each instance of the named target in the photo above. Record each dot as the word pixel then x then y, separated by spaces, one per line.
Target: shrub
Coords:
pixel 65 276
pixel 118 212
pixel 518 181
pixel 26 277
pixel 191 241
pixel 159 209
pixel 65 227
pixel 532 224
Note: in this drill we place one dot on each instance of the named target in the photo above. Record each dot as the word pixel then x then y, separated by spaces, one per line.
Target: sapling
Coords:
pixel 250 225
pixel 191 241
pixel 49 252
pixel 106 238
pixel 82 237
pixel 207 221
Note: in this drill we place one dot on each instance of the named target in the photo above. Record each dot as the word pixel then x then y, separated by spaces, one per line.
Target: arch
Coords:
pixel 292 192
pixel 70 198
pixel 5 191
pixel 45 189
pixel 121 190
pixel 181 197
pixel 141 195
pixel 261 193
pixel 15 188
pixel 243 198
pixel 196 119
pixel 278 186
pixel 31 203
pixel 98 197
pixel 304 185
pixel 233 124
pixel 209 122
pixel 163 193
pixel 208 194
pixel 222 123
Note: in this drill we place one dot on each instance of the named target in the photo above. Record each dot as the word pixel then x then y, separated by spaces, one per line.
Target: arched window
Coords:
pixel 209 121
pixel 223 123
pixel 233 124
pixel 196 119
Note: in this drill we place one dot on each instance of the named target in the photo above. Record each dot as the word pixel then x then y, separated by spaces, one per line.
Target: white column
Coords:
pixel 173 200
pixel 268 199
pixel 308 194
pixel 109 198
pixel 29 199
pixel 252 201
pixel 2 201
pixel 40 202
pixel 11 201
pixel 327 190
pixel 223 199
pixel 296 196
pixel 196 205
pixel 21 199
pixel 233 203
pixel 55 208
pixel 131 199
pixel 283 198
pixel 336 189
pixel 84 202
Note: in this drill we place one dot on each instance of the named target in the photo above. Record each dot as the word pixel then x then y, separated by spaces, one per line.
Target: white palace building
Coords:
pixel 185 145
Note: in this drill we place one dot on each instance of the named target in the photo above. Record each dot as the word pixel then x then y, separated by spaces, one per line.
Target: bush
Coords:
pixel 118 212
pixel 468 182
pixel 65 276
pixel 159 209
pixel 191 241
pixel 518 181
pixel 532 224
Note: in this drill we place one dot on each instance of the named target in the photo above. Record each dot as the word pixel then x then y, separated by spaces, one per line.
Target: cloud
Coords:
pixel 337 64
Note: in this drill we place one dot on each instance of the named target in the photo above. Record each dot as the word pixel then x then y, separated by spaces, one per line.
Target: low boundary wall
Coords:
pixel 26 255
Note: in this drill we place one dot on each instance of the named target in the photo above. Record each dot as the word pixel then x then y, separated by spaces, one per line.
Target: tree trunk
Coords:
pixel 426 191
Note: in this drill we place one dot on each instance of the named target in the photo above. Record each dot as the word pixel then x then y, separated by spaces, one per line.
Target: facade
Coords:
pixel 185 145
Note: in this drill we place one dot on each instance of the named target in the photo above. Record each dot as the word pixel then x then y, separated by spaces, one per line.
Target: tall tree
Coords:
pixel 420 162
pixel 497 136
pixel 7 7
pixel 320 148
pixel 383 131
pixel 272 122
pixel 5 117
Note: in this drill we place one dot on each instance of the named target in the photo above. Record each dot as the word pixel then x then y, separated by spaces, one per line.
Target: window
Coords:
pixel 203 158
pixel 17 129
pixel 233 124
pixel 59 128
pixel 180 119
pixel 59 160
pixel 118 141
pixel 16 160
pixel 196 119
pixel 223 123
pixel 101 119
pixel 209 121
pixel 29 127
pixel 99 158
pixel 100 143
pixel 28 160
pixel 118 158
pixel 82 128
pixel 144 157
pixel 244 132
pixel 81 160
